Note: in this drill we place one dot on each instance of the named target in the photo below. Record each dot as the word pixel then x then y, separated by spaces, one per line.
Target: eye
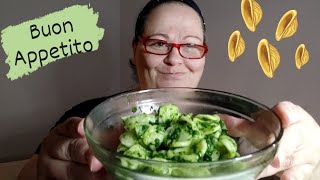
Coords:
pixel 192 50
pixel 190 47
pixel 158 43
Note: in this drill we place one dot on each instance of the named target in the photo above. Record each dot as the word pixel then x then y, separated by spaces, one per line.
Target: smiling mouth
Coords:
pixel 177 75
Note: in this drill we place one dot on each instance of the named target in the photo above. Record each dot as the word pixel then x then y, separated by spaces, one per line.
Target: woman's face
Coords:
pixel 174 23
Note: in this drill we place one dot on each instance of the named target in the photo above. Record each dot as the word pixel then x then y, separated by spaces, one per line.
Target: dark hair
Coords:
pixel 152 4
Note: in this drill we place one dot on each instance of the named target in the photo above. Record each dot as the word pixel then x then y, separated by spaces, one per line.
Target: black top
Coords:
pixel 80 110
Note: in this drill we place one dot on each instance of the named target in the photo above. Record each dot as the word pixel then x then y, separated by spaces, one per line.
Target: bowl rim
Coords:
pixel 252 155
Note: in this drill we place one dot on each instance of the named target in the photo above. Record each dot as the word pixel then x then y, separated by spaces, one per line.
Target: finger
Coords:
pixel 66 170
pixel 94 164
pixel 296 157
pixel 293 151
pixel 260 132
pixel 284 156
pixel 65 148
pixel 301 172
pixel 102 175
pixel 290 113
pixel 81 128
pixel 287 166
pixel 234 125
pixel 268 171
pixel 73 128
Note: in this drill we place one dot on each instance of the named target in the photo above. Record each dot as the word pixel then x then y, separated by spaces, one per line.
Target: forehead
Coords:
pixel 174 18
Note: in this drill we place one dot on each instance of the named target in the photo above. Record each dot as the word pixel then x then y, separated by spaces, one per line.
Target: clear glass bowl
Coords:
pixel 256 128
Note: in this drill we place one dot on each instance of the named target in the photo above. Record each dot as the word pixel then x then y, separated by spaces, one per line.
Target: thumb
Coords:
pixel 80 128
pixel 290 113
pixel 301 172
pixel 72 128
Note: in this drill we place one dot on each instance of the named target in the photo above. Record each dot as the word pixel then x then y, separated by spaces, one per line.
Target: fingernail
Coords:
pixel 94 165
pixel 291 111
pixel 276 162
pixel 91 165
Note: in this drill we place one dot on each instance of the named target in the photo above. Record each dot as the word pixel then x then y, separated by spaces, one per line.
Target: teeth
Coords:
pixel 251 13
pixel 287 25
pixel 236 46
pixel 269 57
pixel 302 56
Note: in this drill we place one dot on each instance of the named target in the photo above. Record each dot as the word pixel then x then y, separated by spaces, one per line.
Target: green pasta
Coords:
pixel 170 136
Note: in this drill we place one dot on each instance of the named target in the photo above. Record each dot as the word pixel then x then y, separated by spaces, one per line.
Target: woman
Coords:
pixel 169 51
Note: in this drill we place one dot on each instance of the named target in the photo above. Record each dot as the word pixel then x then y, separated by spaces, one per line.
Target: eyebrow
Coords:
pixel 191 36
pixel 159 34
pixel 167 37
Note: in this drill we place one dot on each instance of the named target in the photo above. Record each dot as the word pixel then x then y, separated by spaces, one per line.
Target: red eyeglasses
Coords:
pixel 187 50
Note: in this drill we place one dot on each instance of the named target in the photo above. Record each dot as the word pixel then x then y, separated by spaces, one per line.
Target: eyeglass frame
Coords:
pixel 176 45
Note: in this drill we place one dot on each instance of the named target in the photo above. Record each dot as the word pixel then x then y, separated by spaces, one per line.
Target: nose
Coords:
pixel 173 58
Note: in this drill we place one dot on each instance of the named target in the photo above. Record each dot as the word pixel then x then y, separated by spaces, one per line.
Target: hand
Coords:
pixel 65 154
pixel 299 150
pixel 253 135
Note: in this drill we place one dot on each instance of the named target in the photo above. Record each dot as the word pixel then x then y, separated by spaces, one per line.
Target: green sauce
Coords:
pixel 170 136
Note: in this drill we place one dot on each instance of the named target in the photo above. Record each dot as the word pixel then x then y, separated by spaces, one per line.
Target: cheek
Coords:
pixel 195 66
pixel 151 61
pixel 147 61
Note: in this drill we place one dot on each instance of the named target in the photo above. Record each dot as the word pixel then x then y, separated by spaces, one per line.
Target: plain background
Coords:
pixel 31 105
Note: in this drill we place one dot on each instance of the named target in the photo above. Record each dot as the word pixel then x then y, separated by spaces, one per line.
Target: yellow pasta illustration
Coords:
pixel 236 46
pixel 252 13
pixel 302 56
pixel 287 25
pixel 269 57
